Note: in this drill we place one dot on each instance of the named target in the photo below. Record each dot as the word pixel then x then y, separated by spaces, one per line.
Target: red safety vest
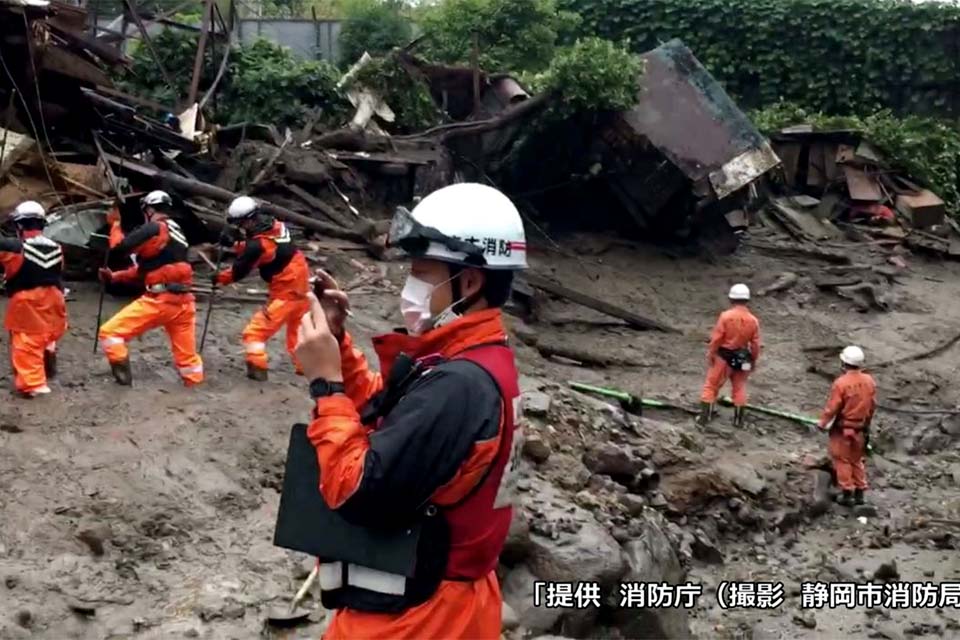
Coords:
pixel 479 524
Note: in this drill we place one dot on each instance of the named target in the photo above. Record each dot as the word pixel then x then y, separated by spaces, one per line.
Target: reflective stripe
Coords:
pixel 256 347
pixel 331 578
pixel 43 259
pixel 111 341
pixel 188 370
pixel 39 391
pixel 373 580
pixel 174 230
pixel 330 575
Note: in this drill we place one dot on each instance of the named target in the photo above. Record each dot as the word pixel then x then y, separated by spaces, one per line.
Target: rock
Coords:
pixel 887 572
pixel 588 501
pixel 705 550
pixel 765 631
pixel 786 520
pixel 191 633
pixel 743 476
pixel 517 546
pixel 747 516
pixel 820 495
pixel 93 534
pixel 566 471
pixel 622 535
pixel 11 582
pixel 536 448
pixel 81 607
pixel 651 558
pixel 950 425
pixel 536 403
pixel 865 511
pixel 24 618
pixel 633 503
pixel 509 617
pixel 929 439
pixel 518 594
pixel 805 619
pixel 612 460
pixel 889 631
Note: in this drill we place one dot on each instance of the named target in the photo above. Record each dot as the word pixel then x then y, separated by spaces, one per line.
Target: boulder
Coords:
pixel 928 438
pixel 536 403
pixel 651 558
pixel 517 546
pixel 518 593
pixel 566 471
pixel 742 476
pixel 632 503
pixel 535 447
pixel 612 460
pixel 820 493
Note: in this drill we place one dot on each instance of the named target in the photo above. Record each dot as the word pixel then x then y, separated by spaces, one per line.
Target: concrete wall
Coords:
pixel 305 38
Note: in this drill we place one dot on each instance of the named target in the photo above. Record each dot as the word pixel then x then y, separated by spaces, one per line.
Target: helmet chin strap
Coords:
pixel 461 303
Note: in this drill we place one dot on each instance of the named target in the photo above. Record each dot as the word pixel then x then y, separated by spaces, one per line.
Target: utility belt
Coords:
pixel 738 359
pixel 168 287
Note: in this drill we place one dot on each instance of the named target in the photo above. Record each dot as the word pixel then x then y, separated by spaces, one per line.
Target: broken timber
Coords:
pixel 361 232
pixel 596 304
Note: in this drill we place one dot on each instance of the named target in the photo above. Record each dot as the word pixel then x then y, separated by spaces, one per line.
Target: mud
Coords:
pixel 180 487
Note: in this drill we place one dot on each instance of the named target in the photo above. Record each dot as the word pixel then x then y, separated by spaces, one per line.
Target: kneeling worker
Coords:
pixel 269 248
pixel 430 439
pixel 37 313
pixel 733 353
pixel 160 249
pixel 849 411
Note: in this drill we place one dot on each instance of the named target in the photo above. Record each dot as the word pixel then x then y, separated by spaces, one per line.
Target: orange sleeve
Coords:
pixel 10 262
pixel 127 275
pixel 833 404
pixel 755 343
pixel 716 337
pixel 116 235
pixel 342 444
pixel 359 381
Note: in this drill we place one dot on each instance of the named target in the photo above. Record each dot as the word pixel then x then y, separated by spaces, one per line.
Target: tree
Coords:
pixel 375 26
pixel 513 35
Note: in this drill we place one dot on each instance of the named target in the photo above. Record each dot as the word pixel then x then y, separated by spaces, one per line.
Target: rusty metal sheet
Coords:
pixel 688 116
pixel 68 64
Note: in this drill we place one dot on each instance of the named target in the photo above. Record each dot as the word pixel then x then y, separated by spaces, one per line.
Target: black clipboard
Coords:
pixel 305 523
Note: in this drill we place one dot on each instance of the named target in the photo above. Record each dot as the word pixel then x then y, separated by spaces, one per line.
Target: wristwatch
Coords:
pixel 321 388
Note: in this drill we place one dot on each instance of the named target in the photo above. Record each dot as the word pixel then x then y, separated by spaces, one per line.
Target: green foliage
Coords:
pixel 927 148
pixel 375 26
pixel 842 56
pixel 594 75
pixel 408 97
pixel 264 82
pixel 512 35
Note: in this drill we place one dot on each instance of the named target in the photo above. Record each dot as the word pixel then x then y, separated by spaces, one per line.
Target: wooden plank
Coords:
pixel 633 319
pixel 861 185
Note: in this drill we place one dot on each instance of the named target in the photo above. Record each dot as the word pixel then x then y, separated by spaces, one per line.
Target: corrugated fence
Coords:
pixel 308 39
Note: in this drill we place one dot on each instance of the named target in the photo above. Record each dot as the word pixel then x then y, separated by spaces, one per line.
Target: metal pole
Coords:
pixel 213 292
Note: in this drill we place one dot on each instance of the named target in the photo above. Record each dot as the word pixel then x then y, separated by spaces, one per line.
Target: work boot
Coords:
pixel 706 413
pixel 121 372
pixel 50 363
pixel 256 373
pixel 33 393
pixel 845 499
pixel 858 496
pixel 738 415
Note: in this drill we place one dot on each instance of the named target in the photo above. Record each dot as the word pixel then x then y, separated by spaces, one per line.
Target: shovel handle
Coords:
pixel 306 587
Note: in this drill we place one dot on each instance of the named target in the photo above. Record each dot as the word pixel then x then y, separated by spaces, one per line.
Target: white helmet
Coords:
pixel 852 356
pixel 465 223
pixel 29 210
pixel 739 292
pixel 155 198
pixel 242 207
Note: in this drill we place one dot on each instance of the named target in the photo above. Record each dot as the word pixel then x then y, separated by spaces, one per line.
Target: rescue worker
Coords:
pixel 849 411
pixel 269 248
pixel 37 313
pixel 732 354
pixel 430 439
pixel 160 249
pixel 116 231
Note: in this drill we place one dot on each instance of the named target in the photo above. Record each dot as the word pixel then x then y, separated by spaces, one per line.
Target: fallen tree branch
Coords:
pixel 919 412
pixel 457 129
pixel 799 252
pixel 937 350
pixel 633 319
pixel 586 356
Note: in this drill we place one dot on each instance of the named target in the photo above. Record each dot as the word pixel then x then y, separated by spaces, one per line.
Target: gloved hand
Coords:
pixel 106 276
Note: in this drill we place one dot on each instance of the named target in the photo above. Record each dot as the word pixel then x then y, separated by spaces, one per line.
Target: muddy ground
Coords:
pixel 181 486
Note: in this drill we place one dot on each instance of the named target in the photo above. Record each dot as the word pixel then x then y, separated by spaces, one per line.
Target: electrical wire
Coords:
pixel 26 108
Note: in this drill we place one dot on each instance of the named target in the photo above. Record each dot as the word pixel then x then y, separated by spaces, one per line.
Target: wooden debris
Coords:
pixel 633 319
pixel 923 209
pixel 581 355
pixel 782 283
pixel 865 296
pixel 798 251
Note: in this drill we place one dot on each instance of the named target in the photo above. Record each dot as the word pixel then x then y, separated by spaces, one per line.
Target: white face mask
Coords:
pixel 415 306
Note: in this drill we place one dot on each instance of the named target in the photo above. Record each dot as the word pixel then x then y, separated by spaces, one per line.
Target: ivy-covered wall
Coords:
pixel 835 56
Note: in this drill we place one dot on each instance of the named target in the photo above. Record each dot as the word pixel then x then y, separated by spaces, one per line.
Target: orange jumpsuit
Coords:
pixel 736 328
pixel 853 399
pixel 458 609
pixel 161 249
pixel 116 231
pixel 37 313
pixel 285 270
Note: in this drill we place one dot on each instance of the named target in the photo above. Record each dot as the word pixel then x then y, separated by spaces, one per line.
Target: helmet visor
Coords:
pixel 415 238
